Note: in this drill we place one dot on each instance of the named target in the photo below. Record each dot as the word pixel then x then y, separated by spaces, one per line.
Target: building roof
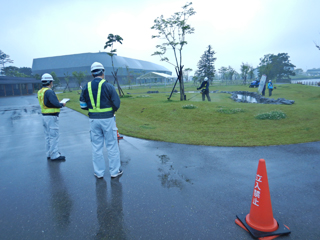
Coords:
pixel 17 80
pixel 314 70
pixel 62 65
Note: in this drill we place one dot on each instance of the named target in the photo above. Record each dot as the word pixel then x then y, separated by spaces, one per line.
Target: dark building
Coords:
pixel 15 86
pixel 67 64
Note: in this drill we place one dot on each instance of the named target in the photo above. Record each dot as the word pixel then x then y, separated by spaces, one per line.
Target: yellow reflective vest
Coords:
pixel 96 108
pixel 44 108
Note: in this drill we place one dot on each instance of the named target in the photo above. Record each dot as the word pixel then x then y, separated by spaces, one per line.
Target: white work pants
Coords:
pixel 51 131
pixel 104 130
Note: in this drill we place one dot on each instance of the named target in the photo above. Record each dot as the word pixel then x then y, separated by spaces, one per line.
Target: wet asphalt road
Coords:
pixel 167 191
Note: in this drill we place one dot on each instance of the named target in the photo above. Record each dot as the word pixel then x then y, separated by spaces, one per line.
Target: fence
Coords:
pixel 311 82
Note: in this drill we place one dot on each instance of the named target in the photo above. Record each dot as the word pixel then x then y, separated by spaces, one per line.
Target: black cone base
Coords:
pixel 282 229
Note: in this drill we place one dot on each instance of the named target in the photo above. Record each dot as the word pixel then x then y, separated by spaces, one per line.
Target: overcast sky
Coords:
pixel 238 31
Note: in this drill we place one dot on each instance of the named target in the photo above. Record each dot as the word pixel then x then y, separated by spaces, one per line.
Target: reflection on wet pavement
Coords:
pixel 110 212
pixel 61 202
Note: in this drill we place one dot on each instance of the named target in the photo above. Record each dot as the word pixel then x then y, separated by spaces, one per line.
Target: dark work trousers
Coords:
pixel 204 96
pixel 264 90
pixel 270 92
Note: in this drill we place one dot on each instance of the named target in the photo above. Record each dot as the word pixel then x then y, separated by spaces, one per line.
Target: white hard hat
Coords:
pixel 269 80
pixel 96 66
pixel 206 79
pixel 46 77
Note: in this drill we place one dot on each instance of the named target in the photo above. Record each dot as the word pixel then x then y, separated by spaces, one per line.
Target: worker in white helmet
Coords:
pixel 102 101
pixel 205 89
pixel 50 109
pixel 270 88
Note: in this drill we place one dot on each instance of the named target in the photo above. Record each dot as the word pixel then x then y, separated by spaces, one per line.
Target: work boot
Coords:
pixel 118 174
pixel 99 177
pixel 60 158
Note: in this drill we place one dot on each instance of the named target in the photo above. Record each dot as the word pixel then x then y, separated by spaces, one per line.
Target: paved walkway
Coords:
pixel 167 191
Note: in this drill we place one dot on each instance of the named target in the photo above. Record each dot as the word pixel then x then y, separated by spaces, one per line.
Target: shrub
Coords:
pixel 190 106
pixel 273 115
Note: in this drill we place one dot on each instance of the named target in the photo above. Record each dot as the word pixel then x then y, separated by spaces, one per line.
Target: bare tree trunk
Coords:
pixel 67 87
pixel 180 76
pixel 245 80
pixel 114 74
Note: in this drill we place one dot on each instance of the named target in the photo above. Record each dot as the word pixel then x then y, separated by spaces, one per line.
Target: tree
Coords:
pixel 174 30
pixel 186 72
pixel 143 72
pixel 26 71
pixel 10 71
pixel 266 66
pixel 236 75
pixel 206 65
pixel 223 73
pixel 276 66
pixel 230 73
pixel 79 76
pixel 111 40
pixel 251 73
pixel 129 77
pixel 134 76
pixel 13 71
pixel 67 79
pixel 37 76
pixel 245 68
pixel 56 79
pixel 298 71
pixel 4 58
pixel 227 73
pixel 195 79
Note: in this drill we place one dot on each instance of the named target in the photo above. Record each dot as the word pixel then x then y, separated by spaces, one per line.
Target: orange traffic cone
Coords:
pixel 119 136
pixel 261 215
pixel 260 222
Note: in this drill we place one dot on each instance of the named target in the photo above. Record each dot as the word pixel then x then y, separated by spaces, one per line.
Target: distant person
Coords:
pixel 102 101
pixel 270 87
pixel 50 109
pixel 205 90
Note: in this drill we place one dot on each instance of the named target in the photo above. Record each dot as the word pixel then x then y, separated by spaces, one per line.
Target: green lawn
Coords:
pixel 221 122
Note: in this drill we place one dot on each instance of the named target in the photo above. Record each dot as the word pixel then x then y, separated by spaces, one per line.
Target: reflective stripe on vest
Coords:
pixel 44 108
pixel 96 108
pixel 205 86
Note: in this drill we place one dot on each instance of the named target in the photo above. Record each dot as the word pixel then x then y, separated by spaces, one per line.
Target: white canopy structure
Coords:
pixel 152 75
pixel 156 76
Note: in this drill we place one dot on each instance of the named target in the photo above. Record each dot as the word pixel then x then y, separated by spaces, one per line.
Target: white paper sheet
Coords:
pixel 65 100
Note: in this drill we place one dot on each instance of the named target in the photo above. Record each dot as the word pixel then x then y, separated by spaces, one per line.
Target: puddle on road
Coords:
pixel 168 180
pixel 164 158
pixel 168 176
pixel 247 98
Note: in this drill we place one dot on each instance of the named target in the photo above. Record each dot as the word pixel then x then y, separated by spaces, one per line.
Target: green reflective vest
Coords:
pixel 44 108
pixel 96 108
